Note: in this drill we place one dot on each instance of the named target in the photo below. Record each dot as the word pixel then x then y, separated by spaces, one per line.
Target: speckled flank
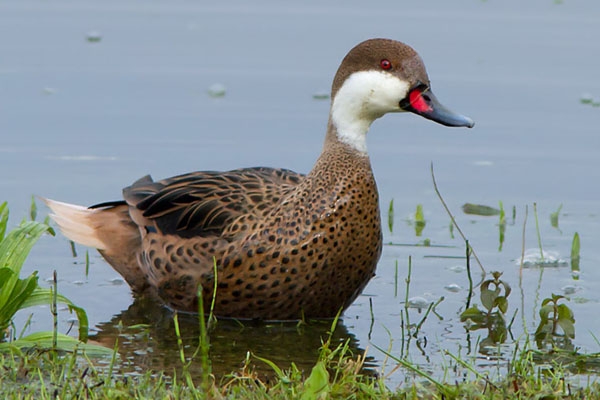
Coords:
pixel 285 245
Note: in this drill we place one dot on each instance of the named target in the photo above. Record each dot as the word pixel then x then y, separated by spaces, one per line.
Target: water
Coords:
pixel 81 119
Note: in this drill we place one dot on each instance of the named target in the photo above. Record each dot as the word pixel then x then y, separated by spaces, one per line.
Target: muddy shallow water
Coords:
pixel 96 95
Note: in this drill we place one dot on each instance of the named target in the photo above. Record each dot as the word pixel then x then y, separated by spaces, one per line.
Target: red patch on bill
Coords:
pixel 417 101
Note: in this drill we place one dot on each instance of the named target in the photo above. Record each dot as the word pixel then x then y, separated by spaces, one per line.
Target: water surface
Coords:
pixel 80 120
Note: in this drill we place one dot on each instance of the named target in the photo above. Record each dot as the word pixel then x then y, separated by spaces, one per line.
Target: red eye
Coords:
pixel 385 64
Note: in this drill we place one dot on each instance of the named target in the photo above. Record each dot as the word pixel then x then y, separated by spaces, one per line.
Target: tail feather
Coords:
pixel 79 224
pixel 108 228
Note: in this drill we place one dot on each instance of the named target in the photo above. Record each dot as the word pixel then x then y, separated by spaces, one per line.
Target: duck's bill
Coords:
pixel 422 101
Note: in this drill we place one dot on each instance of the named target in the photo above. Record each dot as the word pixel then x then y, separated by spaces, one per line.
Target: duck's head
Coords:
pixel 379 76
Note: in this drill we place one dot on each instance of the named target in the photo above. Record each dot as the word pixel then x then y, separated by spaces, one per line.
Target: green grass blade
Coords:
pixel 13 293
pixel 575 248
pixel 3 219
pixel 391 216
pixel 42 296
pixel 43 340
pixel 33 209
pixel 273 366
pixel 16 246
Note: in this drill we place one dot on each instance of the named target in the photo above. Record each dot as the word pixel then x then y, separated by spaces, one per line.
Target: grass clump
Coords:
pixel 18 293
pixel 337 374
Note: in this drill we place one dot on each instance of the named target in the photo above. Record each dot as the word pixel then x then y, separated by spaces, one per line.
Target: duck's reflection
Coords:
pixel 147 342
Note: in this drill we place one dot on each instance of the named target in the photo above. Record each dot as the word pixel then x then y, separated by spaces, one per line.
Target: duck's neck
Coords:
pixel 351 136
pixel 341 157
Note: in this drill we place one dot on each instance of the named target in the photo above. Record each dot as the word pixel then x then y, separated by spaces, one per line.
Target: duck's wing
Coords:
pixel 205 203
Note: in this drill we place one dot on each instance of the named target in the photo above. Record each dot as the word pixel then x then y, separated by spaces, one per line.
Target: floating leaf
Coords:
pixel 478 209
pixel 586 98
pixel 217 90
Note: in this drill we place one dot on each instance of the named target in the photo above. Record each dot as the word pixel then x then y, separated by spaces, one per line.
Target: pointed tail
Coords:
pixel 80 224
pixel 109 228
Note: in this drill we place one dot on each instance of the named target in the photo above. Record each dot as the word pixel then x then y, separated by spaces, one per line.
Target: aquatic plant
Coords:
pixel 18 293
pixel 494 299
pixel 552 317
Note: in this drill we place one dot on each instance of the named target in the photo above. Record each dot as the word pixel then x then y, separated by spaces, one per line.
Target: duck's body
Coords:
pixel 285 245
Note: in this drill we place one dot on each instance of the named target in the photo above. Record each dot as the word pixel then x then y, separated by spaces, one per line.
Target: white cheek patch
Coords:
pixel 364 97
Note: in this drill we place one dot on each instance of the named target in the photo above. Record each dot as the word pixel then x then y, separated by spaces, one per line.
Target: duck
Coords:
pixel 267 243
